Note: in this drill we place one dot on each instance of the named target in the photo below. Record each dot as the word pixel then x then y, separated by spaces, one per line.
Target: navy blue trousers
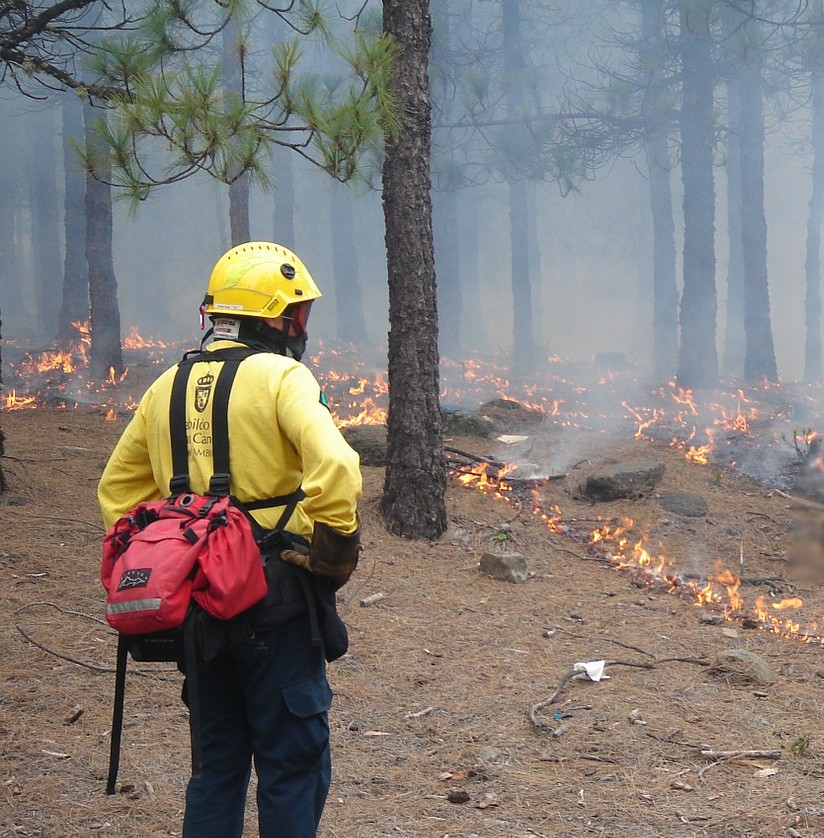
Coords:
pixel 264 700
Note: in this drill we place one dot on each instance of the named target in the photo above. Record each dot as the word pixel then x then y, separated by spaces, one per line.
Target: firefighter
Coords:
pixel 263 695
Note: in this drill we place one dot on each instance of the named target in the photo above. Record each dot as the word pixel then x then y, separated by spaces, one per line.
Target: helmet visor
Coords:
pixel 297 316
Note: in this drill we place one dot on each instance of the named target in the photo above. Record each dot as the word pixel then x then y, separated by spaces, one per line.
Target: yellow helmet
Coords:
pixel 258 279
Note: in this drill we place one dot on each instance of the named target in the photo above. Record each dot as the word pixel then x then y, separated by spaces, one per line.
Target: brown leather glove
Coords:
pixel 332 554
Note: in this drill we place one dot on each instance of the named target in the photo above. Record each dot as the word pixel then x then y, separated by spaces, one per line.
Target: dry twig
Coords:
pixel 85 664
pixel 61 610
pixel 568 676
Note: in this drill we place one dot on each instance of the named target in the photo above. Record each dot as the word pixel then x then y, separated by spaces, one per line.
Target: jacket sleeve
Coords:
pixel 128 478
pixel 331 469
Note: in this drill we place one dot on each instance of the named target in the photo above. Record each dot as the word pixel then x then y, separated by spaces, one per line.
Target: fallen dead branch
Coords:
pixel 61 610
pixel 540 724
pixel 85 664
pixel 608 640
pixel 769 754
pixel 807 504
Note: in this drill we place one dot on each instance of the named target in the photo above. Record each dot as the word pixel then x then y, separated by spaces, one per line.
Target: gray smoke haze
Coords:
pixel 593 263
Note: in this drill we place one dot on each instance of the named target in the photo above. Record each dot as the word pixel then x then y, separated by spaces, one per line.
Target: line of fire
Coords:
pixel 744 425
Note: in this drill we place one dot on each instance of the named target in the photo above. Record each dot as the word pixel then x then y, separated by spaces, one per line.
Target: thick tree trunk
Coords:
pixel 474 334
pixel 75 306
pixel 664 281
pixel 233 47
pixel 283 216
pixel 2 435
pixel 447 269
pixel 11 286
pixel 812 307
pixel 284 208
pixel 522 337
pixel 239 210
pixel 444 193
pixel 735 338
pixel 698 358
pixel 523 350
pixel 105 353
pixel 45 223
pixel 348 296
pixel 759 361
pixel 413 495
pixel 535 271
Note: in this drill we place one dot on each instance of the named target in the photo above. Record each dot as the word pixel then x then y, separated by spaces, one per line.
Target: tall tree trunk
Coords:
pixel 283 216
pixel 284 208
pixel 735 338
pixel 812 307
pixel 664 280
pixel 413 494
pixel 759 361
pixel 2 435
pixel 10 188
pixel 45 224
pixel 535 270
pixel 474 335
pixel 234 47
pixel 75 306
pixel 444 193
pixel 698 358
pixel 447 268
pixel 522 336
pixel 106 351
pixel 523 349
pixel 348 296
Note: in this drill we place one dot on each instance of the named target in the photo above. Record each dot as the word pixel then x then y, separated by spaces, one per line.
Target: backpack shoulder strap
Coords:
pixel 231 358
pixel 219 483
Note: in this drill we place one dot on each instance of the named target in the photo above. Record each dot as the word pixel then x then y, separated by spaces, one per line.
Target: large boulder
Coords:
pixel 625 480
pixel 370 443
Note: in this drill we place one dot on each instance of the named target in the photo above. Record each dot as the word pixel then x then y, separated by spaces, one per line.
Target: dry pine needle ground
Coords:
pixel 430 726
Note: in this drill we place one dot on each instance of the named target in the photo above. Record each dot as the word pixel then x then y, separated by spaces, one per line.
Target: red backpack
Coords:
pixel 165 560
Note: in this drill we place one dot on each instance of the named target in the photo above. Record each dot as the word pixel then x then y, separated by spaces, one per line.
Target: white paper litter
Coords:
pixel 594 670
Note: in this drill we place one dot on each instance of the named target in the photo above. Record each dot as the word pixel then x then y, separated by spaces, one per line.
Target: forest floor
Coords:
pixel 431 732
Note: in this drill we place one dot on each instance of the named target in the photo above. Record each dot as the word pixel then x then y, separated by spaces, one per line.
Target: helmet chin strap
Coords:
pixel 257 335
pixel 260 336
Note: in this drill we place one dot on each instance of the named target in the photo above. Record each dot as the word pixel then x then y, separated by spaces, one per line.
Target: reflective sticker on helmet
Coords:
pixel 226 328
pixel 324 401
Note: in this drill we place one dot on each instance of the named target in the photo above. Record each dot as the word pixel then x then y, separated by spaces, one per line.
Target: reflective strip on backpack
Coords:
pixel 134 605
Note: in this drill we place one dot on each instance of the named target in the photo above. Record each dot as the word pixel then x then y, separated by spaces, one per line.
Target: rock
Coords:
pixel 625 480
pixel 466 423
pixel 508 567
pixel 684 503
pixel 739 665
pixel 370 442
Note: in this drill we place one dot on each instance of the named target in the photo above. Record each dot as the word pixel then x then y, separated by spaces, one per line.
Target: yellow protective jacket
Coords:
pixel 281 436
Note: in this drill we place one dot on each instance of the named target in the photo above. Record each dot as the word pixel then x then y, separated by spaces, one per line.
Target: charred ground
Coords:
pixel 432 702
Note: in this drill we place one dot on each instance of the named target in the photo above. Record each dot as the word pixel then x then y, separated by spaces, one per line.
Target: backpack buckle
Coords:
pixel 179 484
pixel 219 484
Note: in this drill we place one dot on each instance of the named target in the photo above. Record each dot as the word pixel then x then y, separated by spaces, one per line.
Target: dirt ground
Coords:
pixel 430 728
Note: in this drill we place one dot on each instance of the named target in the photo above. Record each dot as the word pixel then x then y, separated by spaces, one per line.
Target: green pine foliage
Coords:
pixel 175 108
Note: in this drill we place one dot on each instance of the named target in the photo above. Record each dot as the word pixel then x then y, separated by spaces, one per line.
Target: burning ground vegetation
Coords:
pixel 692 607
